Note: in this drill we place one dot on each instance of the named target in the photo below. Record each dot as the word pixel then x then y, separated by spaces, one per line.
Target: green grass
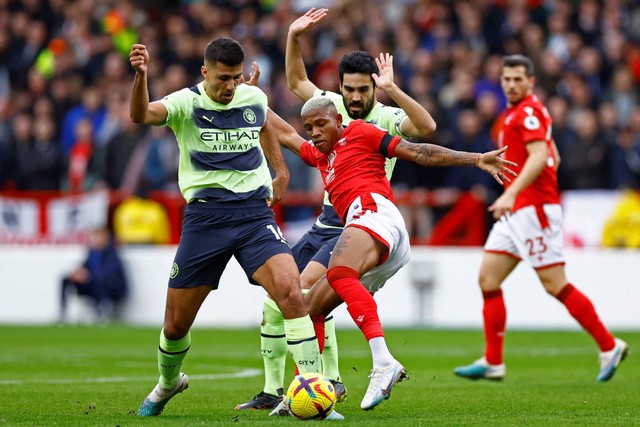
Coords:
pixel 97 376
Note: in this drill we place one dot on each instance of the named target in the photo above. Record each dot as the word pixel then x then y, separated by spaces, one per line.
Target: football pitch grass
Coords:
pixel 97 376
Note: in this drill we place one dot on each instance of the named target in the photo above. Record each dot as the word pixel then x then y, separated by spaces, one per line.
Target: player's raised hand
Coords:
pixel 139 58
pixel 385 79
pixel 496 166
pixel 254 75
pixel 307 21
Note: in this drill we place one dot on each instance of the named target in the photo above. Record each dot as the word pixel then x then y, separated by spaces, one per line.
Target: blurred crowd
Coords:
pixel 65 81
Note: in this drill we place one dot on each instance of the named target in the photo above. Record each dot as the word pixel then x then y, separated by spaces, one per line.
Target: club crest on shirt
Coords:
pixel 249 116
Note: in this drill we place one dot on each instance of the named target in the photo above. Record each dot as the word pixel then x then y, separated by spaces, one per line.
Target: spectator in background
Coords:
pixel 81 173
pixel 101 277
pixel 489 81
pixel 563 135
pixel 92 109
pixel 160 169
pixel 45 161
pixel 471 136
pixel 36 162
pixel 625 170
pixel 20 136
pixel 569 41
pixel 119 150
pixel 586 160
pixel 623 93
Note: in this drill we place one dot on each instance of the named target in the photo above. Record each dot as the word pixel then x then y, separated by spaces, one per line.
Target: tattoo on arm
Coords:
pixel 435 155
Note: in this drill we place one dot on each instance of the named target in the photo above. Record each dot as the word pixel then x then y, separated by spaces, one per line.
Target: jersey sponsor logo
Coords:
pixel 231 147
pixel 237 136
pixel 209 119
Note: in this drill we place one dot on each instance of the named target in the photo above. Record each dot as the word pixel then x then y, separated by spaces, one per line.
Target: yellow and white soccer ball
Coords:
pixel 311 396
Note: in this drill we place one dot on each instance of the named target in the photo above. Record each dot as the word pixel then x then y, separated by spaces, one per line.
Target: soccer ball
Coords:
pixel 311 396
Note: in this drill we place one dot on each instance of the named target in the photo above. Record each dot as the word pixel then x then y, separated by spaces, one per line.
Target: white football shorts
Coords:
pixel 387 226
pixel 532 234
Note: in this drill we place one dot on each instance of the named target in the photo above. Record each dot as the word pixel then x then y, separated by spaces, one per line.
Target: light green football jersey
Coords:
pixel 384 116
pixel 220 154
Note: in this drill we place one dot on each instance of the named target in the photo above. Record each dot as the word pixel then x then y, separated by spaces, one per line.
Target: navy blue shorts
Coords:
pixel 213 232
pixel 316 245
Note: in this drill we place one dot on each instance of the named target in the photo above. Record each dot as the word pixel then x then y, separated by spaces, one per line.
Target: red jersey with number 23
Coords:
pixel 355 165
pixel 526 122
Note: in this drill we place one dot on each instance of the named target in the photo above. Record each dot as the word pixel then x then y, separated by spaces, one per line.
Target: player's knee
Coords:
pixel 552 287
pixel 174 332
pixel 314 306
pixel 307 282
pixel 484 280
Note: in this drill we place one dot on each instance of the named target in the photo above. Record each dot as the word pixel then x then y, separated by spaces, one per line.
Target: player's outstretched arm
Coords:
pixel 286 134
pixel 140 109
pixel 296 73
pixel 435 155
pixel 419 123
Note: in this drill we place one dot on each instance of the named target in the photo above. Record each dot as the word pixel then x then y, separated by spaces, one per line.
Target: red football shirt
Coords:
pixel 355 165
pixel 526 122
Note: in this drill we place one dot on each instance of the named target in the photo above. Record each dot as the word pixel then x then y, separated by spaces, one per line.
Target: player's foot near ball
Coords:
pixel 381 382
pixel 340 389
pixel 282 410
pixel 261 400
pixel 155 402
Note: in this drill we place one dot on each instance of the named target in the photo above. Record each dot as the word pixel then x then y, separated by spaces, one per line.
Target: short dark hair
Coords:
pixel 517 61
pixel 225 50
pixel 359 62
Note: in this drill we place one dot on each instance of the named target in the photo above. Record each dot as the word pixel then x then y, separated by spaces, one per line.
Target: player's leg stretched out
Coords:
pixel 499 260
pixel 175 340
pixel 318 245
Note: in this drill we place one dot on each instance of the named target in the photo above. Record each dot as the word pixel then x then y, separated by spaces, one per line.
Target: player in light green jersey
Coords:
pixel 223 136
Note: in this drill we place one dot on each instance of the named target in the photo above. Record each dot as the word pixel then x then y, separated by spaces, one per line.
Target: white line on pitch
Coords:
pixel 245 373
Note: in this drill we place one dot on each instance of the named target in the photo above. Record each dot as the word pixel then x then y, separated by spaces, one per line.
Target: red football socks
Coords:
pixel 360 304
pixel 581 308
pixel 495 319
pixel 318 326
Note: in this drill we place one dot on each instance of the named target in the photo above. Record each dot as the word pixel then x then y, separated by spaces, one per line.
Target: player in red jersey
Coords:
pixel 529 217
pixel 374 240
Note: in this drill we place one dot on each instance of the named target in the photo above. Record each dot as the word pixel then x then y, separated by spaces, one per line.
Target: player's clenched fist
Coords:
pixel 139 58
